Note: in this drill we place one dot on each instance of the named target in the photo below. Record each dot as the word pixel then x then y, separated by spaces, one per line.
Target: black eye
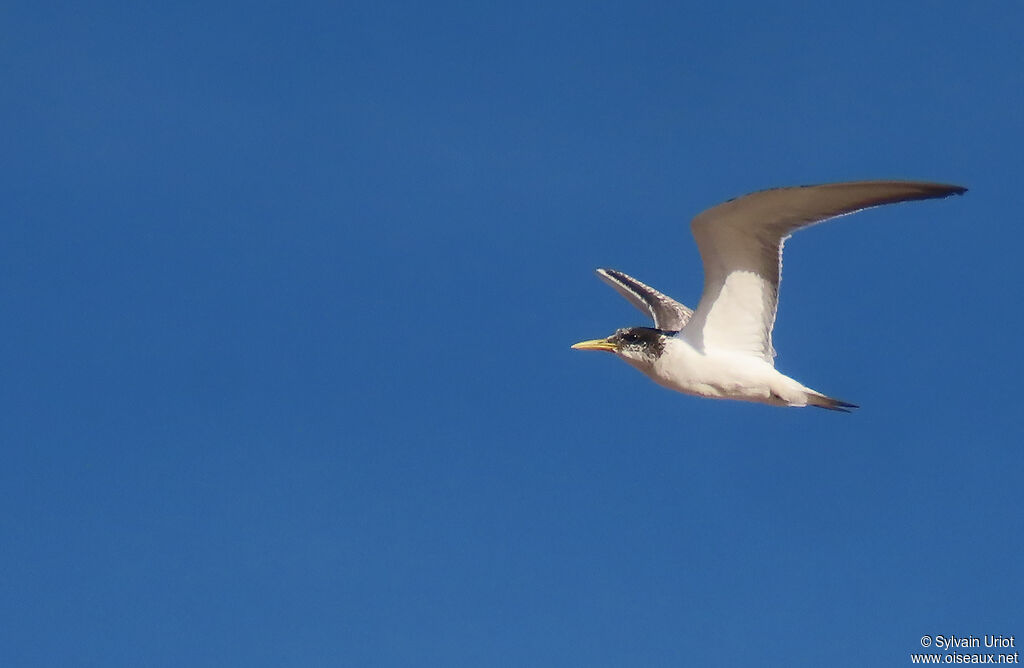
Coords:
pixel 631 338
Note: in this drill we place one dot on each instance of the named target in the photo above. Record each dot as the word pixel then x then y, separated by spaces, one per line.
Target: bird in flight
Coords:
pixel 723 350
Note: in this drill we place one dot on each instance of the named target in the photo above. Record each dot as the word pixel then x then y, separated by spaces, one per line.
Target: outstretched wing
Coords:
pixel 668 314
pixel 740 244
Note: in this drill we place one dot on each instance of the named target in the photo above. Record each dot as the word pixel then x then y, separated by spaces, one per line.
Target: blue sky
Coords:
pixel 289 290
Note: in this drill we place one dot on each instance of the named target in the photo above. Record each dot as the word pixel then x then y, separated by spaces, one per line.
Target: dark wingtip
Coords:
pixel 936 190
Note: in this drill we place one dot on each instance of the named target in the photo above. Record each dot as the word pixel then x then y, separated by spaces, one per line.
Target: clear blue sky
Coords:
pixel 288 292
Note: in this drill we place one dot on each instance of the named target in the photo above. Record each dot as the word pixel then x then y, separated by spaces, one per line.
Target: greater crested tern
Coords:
pixel 724 350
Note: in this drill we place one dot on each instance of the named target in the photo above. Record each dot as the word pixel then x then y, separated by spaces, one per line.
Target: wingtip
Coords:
pixel 949 189
pixel 610 276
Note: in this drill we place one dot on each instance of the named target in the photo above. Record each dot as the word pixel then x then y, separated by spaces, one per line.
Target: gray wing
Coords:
pixel 668 314
pixel 740 244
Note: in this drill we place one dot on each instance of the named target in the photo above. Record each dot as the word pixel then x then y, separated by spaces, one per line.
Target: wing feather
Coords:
pixel 668 314
pixel 740 243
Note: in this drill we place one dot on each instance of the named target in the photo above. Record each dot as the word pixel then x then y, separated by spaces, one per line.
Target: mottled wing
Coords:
pixel 668 314
pixel 740 244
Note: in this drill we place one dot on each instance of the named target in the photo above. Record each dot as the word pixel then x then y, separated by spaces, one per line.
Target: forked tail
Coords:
pixel 829 403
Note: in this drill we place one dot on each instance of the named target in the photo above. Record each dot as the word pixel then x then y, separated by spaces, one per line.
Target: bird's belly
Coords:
pixel 719 376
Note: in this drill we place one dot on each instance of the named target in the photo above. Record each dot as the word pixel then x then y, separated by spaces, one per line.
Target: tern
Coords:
pixel 723 350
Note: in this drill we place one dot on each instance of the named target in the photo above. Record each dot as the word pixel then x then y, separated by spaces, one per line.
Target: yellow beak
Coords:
pixel 595 344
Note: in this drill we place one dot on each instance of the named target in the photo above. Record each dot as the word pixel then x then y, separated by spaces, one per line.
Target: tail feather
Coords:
pixel 829 403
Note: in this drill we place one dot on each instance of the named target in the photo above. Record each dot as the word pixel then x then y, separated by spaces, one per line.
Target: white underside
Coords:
pixel 724 375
